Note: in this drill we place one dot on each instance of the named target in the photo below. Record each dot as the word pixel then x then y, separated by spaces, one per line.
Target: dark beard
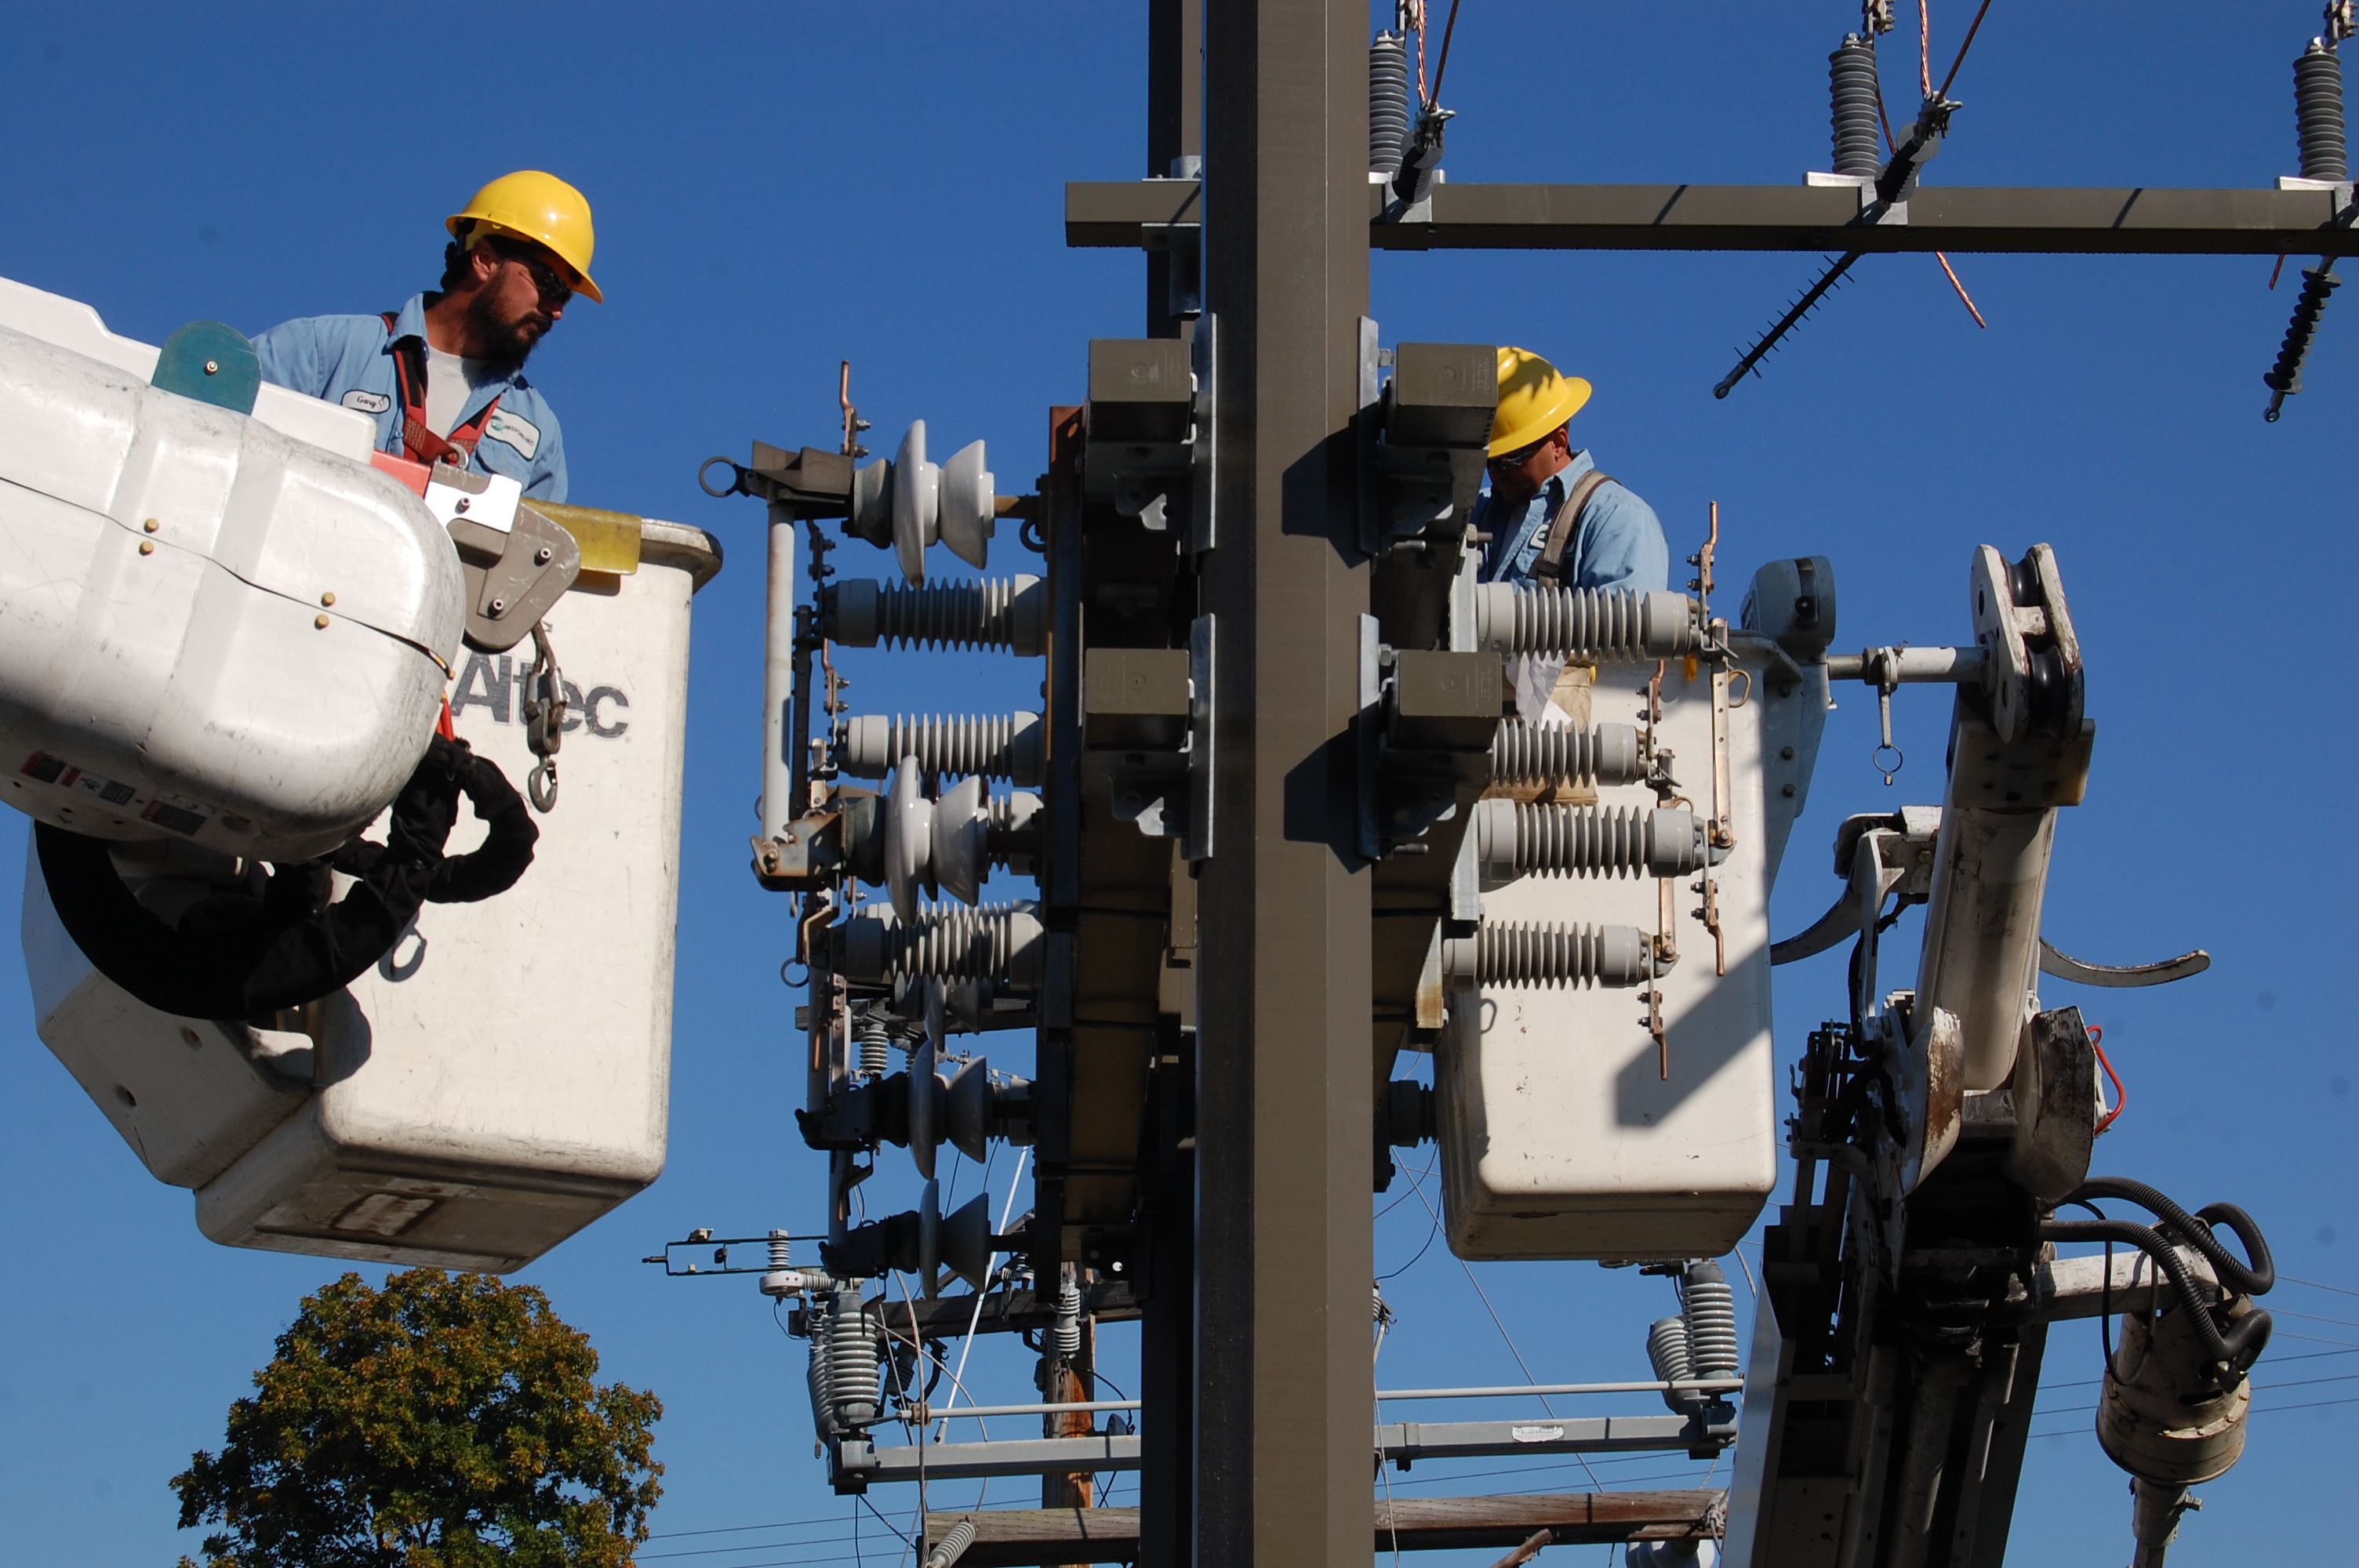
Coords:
pixel 506 344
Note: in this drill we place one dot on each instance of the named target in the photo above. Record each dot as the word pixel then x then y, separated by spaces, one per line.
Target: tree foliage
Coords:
pixel 443 1421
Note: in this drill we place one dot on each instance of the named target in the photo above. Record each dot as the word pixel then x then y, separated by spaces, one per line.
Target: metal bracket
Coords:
pixel 1196 841
pixel 1203 456
pixel 512 578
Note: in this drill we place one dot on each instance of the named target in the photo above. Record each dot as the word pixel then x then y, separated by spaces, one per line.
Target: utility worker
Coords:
pixel 1553 518
pixel 443 376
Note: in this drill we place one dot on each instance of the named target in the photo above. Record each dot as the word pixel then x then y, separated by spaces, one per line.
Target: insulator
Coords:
pixel 875 1046
pixel 2285 376
pixel 1710 1307
pixel 994 942
pixel 1000 746
pixel 2318 113
pixel 1858 107
pixel 822 1410
pixel 1667 1351
pixel 1387 102
pixel 1515 840
pixel 1068 1337
pixel 851 1364
pixel 1517 955
pixel 988 613
pixel 779 1259
pixel 1531 753
pixel 1588 623
pixel 952 1545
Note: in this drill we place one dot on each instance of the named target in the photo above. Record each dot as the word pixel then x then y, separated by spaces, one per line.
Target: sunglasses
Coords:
pixel 1518 459
pixel 555 292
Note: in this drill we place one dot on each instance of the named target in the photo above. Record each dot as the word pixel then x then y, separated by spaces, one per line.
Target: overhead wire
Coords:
pixel 1449 27
pixel 1962 48
pixel 1495 1323
pixel 1015 1182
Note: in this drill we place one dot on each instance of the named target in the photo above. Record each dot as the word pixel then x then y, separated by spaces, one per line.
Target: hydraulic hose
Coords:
pixel 490 868
pixel 2256 1280
pixel 234 955
pixel 2235 1350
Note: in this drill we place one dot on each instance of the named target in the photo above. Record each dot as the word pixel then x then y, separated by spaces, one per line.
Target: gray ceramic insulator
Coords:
pixel 997 746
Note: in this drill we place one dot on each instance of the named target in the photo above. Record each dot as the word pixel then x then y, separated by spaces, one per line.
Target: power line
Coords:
pixel 751 1546
pixel 2313 1317
pixel 2274 1361
pixel 738 1529
pixel 1469 1272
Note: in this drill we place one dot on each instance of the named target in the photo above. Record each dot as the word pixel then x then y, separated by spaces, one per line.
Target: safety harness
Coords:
pixel 418 441
pixel 1548 570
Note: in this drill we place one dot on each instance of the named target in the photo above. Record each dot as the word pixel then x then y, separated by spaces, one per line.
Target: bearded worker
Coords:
pixel 1553 518
pixel 443 376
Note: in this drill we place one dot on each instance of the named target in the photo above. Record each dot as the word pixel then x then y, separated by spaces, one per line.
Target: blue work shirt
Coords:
pixel 348 359
pixel 1618 542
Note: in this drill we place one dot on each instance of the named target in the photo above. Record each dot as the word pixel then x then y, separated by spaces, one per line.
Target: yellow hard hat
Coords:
pixel 540 208
pixel 1534 399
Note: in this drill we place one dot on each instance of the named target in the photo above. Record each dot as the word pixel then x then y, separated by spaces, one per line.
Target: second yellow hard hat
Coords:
pixel 540 208
pixel 1534 399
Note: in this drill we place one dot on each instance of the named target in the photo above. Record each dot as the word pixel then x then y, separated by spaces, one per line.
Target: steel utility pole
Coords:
pixel 1166 1349
pixel 1283 1380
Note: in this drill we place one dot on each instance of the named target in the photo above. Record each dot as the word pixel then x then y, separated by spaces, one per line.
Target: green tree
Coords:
pixel 440 1422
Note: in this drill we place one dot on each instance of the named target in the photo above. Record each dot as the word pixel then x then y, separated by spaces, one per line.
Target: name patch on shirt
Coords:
pixel 366 402
pixel 517 431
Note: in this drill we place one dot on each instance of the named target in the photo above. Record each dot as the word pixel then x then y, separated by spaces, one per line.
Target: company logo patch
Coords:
pixel 367 402
pixel 517 431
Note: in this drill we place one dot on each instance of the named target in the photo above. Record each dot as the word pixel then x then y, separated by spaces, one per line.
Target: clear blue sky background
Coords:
pixel 779 187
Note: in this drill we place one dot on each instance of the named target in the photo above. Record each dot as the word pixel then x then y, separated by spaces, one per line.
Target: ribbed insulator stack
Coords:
pixel 1587 841
pixel 1387 102
pixel 778 1250
pixel 875 1042
pixel 1066 1338
pixel 851 1364
pixel 1850 70
pixel 1515 955
pixel 1709 1305
pixel 988 613
pixel 822 1405
pixel 997 746
pixel 952 1545
pixel 2318 113
pixel 1667 1352
pixel 1589 624
pixel 994 942
pixel 2285 376
pixel 1528 753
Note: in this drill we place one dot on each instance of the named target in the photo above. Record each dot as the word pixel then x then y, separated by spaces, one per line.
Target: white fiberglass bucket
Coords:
pixel 224 629
pixel 503 1078
pixel 1561 1135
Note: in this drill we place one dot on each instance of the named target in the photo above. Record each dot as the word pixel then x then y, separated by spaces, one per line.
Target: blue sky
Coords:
pixel 780 186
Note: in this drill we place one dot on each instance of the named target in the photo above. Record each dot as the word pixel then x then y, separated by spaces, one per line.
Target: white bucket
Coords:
pixel 502 1078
